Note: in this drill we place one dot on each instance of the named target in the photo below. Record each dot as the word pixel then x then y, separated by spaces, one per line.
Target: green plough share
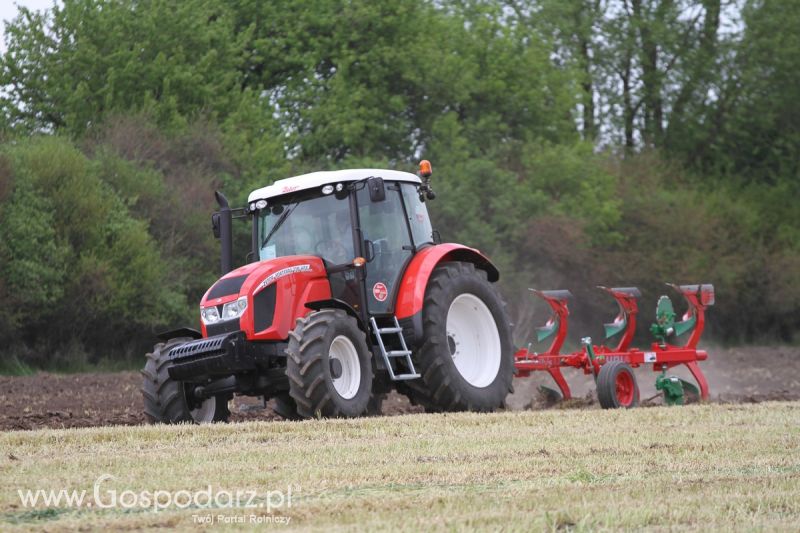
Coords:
pixel 674 388
pixel 547 330
pixel 665 326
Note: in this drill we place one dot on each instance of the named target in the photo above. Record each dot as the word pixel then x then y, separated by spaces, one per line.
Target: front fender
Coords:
pixel 415 279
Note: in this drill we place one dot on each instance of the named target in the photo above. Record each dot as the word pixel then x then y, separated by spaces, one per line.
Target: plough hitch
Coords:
pixel 612 367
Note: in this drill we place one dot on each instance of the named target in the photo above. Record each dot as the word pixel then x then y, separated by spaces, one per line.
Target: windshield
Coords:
pixel 308 226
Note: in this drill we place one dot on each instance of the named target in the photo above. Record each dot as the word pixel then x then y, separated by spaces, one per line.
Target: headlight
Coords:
pixel 209 315
pixel 234 309
pixel 230 311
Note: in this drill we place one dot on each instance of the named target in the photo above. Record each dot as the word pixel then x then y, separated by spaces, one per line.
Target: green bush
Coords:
pixel 79 271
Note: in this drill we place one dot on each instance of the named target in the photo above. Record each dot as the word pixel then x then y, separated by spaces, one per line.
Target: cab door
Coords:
pixel 384 224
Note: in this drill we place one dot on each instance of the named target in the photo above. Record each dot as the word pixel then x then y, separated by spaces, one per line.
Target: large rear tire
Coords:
pixel 329 366
pixel 466 361
pixel 165 400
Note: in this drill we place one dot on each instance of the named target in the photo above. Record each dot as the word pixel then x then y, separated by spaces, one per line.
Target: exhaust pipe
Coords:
pixel 221 223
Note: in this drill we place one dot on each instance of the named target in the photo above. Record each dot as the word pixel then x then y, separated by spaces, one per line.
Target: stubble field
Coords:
pixel 730 464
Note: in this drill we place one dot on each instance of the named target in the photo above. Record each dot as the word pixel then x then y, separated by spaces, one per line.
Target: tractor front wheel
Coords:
pixel 284 405
pixel 616 386
pixel 166 400
pixel 329 366
pixel 466 361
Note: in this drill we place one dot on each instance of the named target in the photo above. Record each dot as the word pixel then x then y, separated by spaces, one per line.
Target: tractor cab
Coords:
pixel 347 293
pixel 364 224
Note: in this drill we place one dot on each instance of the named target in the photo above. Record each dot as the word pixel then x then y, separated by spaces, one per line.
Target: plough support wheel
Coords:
pixel 616 386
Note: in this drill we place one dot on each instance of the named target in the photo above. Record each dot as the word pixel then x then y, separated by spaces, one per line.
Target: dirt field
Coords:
pixel 752 374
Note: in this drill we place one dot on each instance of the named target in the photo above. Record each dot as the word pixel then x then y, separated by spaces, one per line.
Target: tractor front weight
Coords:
pixel 611 366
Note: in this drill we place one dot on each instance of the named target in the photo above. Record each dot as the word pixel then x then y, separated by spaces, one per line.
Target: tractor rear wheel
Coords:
pixel 329 366
pixel 466 361
pixel 616 386
pixel 167 401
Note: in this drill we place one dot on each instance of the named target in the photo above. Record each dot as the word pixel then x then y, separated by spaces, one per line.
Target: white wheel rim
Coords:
pixel 473 340
pixel 343 350
pixel 205 412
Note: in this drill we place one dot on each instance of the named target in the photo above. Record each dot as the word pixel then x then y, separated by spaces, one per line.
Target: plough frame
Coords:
pixel 591 358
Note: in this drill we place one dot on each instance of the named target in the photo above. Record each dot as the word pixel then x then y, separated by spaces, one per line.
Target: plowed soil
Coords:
pixel 44 400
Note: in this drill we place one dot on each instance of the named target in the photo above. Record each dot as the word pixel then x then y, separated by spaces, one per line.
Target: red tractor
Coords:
pixel 348 293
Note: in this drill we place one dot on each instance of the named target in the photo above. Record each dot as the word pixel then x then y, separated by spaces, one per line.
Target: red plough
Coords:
pixel 612 367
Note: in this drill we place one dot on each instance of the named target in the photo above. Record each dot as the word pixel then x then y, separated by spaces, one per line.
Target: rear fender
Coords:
pixel 415 279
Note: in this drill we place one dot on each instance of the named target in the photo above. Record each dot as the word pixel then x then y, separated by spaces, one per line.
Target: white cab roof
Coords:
pixel 318 179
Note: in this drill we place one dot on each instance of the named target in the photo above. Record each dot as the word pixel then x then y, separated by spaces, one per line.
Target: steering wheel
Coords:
pixel 333 251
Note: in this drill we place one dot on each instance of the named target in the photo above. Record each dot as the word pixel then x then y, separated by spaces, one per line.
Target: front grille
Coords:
pixel 264 308
pixel 226 287
pixel 220 328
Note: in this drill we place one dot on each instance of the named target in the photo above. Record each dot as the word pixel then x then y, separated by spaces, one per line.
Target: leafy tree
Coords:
pixel 575 141
pixel 76 265
pixel 32 260
pixel 753 131
pixel 71 66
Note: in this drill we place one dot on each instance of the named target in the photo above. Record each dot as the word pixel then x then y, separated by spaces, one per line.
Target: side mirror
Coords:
pixel 377 191
pixel 215 225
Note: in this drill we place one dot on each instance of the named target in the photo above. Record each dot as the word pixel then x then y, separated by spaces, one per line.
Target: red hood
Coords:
pixel 254 277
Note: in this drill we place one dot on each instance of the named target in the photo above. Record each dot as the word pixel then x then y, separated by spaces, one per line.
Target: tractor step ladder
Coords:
pixel 391 354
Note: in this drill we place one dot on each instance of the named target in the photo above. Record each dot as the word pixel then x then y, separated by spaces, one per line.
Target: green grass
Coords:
pixel 12 366
pixel 706 467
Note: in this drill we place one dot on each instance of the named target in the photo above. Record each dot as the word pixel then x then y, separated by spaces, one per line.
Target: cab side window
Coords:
pixel 418 217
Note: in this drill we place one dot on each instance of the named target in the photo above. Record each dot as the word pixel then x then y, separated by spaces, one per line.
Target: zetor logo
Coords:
pixel 380 292
pixel 283 272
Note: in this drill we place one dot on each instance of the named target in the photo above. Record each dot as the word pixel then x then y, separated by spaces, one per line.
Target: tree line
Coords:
pixel 577 142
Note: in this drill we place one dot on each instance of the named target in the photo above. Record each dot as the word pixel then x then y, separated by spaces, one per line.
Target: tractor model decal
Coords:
pixel 283 272
pixel 380 292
